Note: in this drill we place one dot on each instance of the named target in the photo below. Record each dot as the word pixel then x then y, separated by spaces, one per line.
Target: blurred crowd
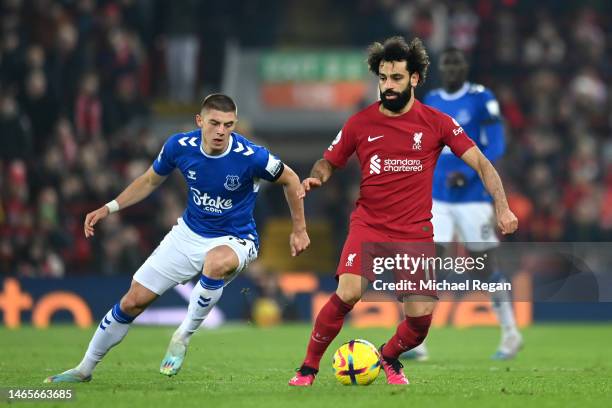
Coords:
pixel 77 78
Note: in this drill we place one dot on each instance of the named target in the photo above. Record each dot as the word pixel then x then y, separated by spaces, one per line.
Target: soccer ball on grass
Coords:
pixel 356 362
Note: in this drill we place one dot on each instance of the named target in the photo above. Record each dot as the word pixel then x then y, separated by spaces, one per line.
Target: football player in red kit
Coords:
pixel 397 141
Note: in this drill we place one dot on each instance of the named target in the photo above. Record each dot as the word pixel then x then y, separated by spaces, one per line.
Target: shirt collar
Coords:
pixel 225 153
pixel 455 95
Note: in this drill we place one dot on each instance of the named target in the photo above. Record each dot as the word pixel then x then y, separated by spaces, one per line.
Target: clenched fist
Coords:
pixel 507 221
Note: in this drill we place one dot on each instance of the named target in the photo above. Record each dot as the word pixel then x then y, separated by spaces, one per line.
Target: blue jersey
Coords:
pixel 222 188
pixel 477 111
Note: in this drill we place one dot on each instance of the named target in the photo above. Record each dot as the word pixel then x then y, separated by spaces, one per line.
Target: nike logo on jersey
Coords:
pixel 373 138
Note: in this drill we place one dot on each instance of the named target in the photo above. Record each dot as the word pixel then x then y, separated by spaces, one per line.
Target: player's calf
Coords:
pixel 111 330
pixel 409 334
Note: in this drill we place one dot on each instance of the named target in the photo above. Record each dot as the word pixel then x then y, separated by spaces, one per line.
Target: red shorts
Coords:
pixel 381 259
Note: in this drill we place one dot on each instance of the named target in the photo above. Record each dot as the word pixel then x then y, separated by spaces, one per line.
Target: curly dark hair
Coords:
pixel 396 49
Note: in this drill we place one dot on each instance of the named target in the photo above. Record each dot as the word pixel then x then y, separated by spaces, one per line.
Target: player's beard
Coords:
pixel 397 104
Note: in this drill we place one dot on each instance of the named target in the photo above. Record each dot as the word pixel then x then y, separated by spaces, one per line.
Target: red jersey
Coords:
pixel 397 156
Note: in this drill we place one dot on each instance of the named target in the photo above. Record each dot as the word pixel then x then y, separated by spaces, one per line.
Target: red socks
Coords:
pixel 327 326
pixel 409 334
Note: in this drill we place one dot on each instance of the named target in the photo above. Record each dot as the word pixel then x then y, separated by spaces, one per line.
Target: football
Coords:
pixel 356 362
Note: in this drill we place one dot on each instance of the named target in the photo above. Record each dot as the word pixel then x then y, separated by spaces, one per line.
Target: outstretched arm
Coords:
pixel 320 173
pixel 506 220
pixel 138 190
pixel 294 193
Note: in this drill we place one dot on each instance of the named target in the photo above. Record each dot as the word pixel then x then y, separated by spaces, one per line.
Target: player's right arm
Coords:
pixel 137 191
pixel 336 155
pixel 320 173
pixel 140 188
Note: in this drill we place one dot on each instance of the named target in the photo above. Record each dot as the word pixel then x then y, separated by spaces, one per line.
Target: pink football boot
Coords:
pixel 304 377
pixel 394 370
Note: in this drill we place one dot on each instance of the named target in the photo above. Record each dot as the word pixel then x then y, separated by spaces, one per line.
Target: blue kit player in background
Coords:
pixel 461 205
pixel 215 237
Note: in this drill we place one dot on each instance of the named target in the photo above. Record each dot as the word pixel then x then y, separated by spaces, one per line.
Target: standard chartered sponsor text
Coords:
pixel 402 165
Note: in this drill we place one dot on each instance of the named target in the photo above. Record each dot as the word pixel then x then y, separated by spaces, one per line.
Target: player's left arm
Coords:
pixel 491 122
pixel 506 220
pixel 491 137
pixel 294 193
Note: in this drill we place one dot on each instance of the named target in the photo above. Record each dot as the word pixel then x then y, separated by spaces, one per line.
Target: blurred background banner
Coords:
pixel 322 81
pixel 302 90
pixel 295 297
pixel 89 91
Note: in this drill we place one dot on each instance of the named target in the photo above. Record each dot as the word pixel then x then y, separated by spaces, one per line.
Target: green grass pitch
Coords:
pixel 245 366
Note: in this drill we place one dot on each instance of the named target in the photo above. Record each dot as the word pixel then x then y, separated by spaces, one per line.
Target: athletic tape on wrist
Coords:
pixel 113 206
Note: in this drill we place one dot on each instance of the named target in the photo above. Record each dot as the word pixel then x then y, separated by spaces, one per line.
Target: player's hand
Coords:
pixel 298 241
pixel 92 219
pixel 311 183
pixel 507 221
pixel 456 179
pixel 300 192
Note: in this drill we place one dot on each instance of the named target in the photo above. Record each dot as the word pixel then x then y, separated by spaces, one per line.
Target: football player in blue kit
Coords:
pixel 461 204
pixel 215 237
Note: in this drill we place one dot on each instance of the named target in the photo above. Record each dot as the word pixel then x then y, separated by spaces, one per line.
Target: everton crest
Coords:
pixel 232 182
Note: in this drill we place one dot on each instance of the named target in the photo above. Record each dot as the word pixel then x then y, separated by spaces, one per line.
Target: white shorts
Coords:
pixel 180 256
pixel 473 222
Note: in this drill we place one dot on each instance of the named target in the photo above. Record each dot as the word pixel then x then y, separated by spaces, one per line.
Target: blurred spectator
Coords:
pixel 182 48
pixel 545 47
pixel 125 106
pixel 67 65
pixel 15 136
pixel 41 108
pixel 463 27
pixel 88 108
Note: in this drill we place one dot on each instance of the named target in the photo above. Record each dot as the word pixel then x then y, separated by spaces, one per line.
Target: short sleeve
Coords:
pixel 491 111
pixel 342 147
pixel 164 163
pixel 454 136
pixel 266 165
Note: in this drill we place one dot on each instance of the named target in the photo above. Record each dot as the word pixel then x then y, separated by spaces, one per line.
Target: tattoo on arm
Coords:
pixel 322 170
pixel 493 183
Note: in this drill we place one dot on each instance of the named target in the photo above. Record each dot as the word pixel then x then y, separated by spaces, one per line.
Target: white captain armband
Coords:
pixel 274 167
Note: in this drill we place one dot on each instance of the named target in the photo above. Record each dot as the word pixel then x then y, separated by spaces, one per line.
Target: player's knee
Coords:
pixel 220 264
pixel 414 308
pixel 131 305
pixel 349 295
pixel 423 309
